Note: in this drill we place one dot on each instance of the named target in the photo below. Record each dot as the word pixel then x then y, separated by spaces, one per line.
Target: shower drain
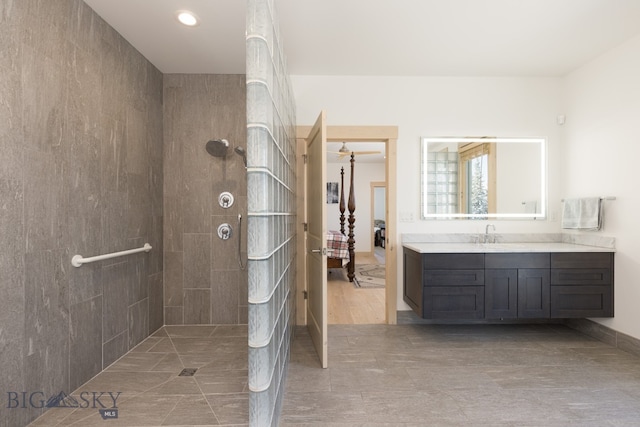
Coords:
pixel 187 372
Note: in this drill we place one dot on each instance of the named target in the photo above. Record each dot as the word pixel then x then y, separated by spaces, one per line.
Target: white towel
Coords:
pixel 582 214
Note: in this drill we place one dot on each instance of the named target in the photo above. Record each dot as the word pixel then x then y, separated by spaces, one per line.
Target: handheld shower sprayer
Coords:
pixel 241 152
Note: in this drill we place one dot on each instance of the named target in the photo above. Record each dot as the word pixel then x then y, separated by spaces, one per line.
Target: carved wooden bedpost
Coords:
pixel 342 207
pixel 352 219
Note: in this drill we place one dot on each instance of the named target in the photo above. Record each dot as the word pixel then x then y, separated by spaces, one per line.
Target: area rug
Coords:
pixel 369 276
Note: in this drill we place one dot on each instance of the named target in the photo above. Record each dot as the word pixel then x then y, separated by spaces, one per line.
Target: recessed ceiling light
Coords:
pixel 187 18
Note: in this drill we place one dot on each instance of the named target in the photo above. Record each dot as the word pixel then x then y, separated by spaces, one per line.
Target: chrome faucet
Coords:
pixel 486 233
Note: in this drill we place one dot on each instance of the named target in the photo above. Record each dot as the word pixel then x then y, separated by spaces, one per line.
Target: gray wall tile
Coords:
pixel 198 108
pixel 197 310
pixel 80 173
pixel 117 284
pixel 173 279
pixel 112 151
pixel 156 312
pixel 197 202
pixel 196 261
pixel 12 303
pixel 224 297
pixel 138 322
pixel 86 341
pixel 47 321
pixel 172 226
pixel 113 349
pixel 173 315
pixel 225 252
pixel 45 203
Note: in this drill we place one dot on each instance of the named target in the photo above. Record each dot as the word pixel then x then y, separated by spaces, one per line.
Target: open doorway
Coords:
pixel 358 136
pixel 359 299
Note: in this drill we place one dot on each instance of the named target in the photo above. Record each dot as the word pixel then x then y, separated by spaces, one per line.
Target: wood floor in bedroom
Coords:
pixel 348 305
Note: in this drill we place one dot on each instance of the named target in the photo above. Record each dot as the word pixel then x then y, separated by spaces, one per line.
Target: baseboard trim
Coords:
pixel 606 335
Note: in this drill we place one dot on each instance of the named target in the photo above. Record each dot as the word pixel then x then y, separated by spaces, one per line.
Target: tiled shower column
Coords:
pixel 271 212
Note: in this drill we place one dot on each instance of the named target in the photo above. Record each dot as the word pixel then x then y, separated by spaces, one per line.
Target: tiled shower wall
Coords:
pixel 80 173
pixel 271 206
pixel 204 283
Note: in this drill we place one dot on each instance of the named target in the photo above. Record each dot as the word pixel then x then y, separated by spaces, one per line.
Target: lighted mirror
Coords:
pixel 483 178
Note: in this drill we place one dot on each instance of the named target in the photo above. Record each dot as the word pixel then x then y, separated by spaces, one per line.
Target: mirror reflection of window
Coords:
pixel 477 178
pixel 510 177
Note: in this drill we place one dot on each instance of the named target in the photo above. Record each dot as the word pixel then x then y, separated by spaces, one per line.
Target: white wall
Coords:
pixel 437 106
pixel 364 174
pixel 600 156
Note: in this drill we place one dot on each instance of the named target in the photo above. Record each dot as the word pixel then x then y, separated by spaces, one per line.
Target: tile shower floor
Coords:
pixel 461 375
pixel 153 393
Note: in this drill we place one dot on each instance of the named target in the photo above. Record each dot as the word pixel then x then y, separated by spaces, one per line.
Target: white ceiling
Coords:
pixel 383 37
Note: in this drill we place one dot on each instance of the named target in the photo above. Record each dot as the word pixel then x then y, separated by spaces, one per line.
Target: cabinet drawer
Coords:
pixel 517 260
pixel 580 276
pixel 453 278
pixel 453 302
pixel 582 260
pixel 453 261
pixel 581 301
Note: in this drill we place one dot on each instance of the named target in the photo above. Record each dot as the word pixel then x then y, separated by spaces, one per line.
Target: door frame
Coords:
pixel 389 136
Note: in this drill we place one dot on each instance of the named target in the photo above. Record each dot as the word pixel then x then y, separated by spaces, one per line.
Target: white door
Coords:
pixel 317 237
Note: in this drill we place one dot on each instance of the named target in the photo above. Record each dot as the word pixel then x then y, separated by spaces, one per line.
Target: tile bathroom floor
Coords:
pixel 460 375
pixel 153 393
pixel 378 375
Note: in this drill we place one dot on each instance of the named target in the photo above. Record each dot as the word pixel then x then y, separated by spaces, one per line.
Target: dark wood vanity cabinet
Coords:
pixel 517 286
pixel 582 284
pixel 445 286
pixel 509 285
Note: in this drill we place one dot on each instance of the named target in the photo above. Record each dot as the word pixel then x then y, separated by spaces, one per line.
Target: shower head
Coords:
pixel 241 152
pixel 217 147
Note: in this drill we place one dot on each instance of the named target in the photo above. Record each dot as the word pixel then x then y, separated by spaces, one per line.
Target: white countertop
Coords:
pixel 523 247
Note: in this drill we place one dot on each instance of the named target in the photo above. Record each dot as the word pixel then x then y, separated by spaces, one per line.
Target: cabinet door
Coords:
pixel 501 293
pixel 454 277
pixel 582 285
pixel 533 293
pixel 453 302
pixel 581 301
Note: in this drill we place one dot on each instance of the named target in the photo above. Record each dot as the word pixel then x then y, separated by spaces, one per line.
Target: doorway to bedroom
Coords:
pixel 362 300
pixel 356 137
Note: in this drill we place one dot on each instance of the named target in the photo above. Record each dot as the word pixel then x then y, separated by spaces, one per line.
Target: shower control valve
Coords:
pixel 225 199
pixel 224 231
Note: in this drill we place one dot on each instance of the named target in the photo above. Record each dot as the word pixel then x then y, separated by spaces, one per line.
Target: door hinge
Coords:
pixel 305 294
pixel 305 158
pixel 305 226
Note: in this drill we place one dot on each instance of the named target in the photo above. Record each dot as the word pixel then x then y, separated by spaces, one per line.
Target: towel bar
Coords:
pixel 601 198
